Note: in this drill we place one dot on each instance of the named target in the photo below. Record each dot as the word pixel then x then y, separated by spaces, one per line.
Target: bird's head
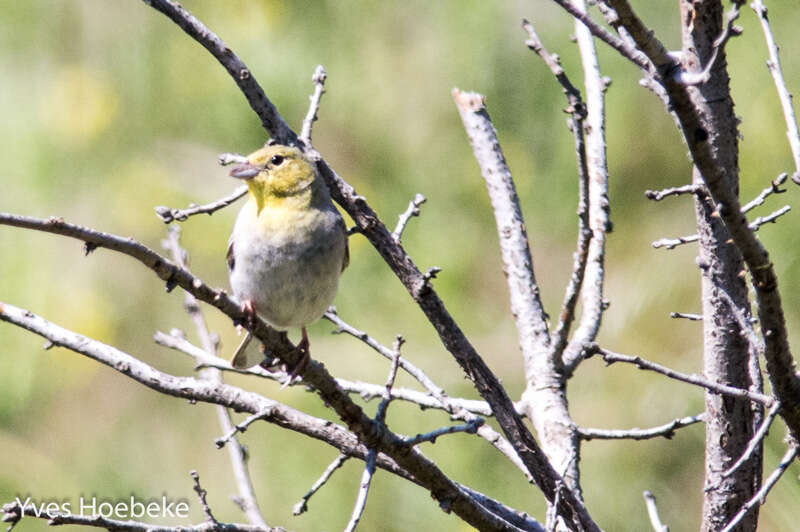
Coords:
pixel 276 173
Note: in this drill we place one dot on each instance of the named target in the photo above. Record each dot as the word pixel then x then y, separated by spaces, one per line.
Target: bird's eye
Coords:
pixel 277 160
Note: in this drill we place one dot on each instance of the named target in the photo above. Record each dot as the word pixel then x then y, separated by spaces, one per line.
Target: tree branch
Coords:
pixel 663 431
pixel 785 97
pixel 611 357
pixel 302 504
pixel 577 110
pixel 418 468
pixel 401 264
pixel 412 210
pixel 169 215
pixel 761 496
pixel 319 89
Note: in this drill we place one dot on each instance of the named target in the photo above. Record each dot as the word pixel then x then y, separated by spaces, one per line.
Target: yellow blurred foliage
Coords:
pixel 78 105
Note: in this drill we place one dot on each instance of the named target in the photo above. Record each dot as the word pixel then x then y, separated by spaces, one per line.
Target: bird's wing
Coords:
pixel 346 260
pixel 229 258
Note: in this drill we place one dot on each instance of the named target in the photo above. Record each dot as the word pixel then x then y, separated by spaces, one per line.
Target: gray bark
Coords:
pixel 730 421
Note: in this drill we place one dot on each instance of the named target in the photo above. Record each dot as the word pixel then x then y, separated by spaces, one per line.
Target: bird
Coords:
pixel 288 246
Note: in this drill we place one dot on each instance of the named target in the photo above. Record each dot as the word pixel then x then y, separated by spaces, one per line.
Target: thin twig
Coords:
pixel 592 301
pixel 672 243
pixel 318 78
pixel 685 316
pixel 361 499
pixel 610 357
pixel 658 195
pixel 469 428
pixel 652 512
pixel 412 210
pixel 169 215
pixel 367 391
pixel 577 110
pixel 412 466
pixel 785 97
pixel 240 428
pixel 624 48
pixel 730 30
pixel 227 158
pixel 755 441
pixel 663 431
pixel 692 115
pixel 760 497
pixel 463 409
pixel 201 494
pixel 383 406
pixel 246 498
pixel 302 504
pixel 773 188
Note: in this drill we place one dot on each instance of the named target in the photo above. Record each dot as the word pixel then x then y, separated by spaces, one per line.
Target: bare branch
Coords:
pixel 319 89
pixel 652 512
pixel 730 30
pixel 577 109
pixel 169 215
pixel 246 498
pixel 225 159
pixel 625 49
pixel 690 317
pixel 302 504
pixel 526 306
pixel 773 188
pixel 201 494
pixel 469 428
pixel 785 97
pixel 239 428
pixel 691 114
pixel 464 409
pixel 672 243
pixel 610 357
pixel 409 274
pixel 598 215
pixel 755 441
pixel 658 195
pixel 760 497
pixel 412 210
pixel 361 499
pixel 663 431
pixel 420 469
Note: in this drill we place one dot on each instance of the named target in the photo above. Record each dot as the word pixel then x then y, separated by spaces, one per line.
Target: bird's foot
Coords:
pixel 249 311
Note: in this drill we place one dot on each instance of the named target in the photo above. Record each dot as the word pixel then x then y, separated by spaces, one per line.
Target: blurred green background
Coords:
pixel 109 110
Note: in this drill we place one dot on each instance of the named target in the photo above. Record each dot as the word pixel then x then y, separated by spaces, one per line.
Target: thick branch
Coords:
pixel 415 282
pixel 424 471
pixel 780 363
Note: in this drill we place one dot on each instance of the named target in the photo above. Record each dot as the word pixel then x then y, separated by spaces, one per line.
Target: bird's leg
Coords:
pixel 302 364
pixel 249 310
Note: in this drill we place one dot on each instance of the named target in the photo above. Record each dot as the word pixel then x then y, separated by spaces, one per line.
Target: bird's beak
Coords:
pixel 245 171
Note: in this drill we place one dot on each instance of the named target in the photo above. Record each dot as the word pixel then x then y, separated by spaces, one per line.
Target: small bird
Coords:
pixel 288 246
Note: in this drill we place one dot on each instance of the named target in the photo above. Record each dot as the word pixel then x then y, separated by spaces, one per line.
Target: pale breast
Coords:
pixel 290 274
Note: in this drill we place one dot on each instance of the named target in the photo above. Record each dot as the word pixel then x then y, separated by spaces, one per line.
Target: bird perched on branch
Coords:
pixel 288 246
